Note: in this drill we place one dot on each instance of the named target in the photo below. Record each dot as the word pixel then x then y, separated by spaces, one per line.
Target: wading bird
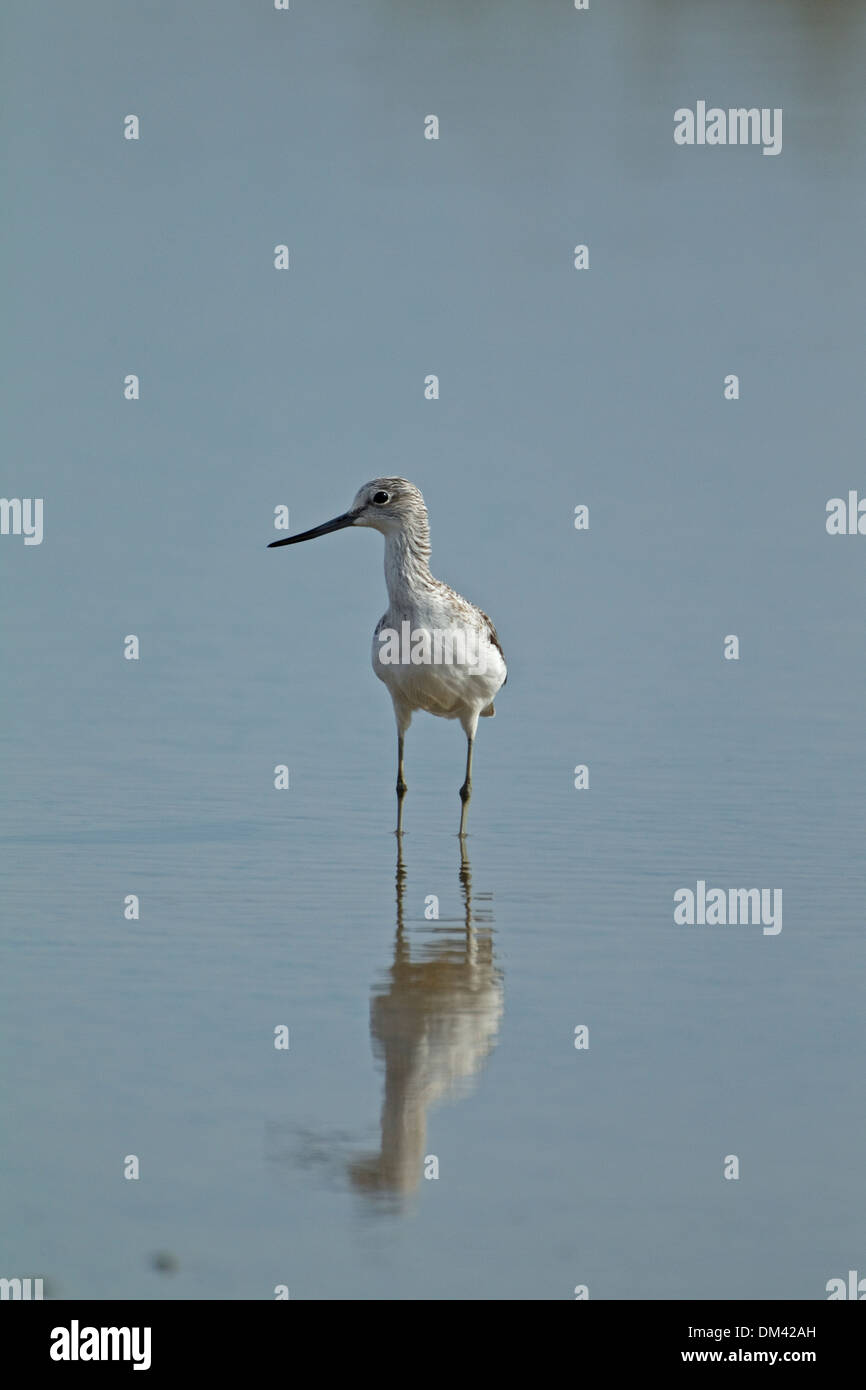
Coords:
pixel 433 650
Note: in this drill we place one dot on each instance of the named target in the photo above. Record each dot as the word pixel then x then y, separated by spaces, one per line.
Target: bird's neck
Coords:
pixel 407 567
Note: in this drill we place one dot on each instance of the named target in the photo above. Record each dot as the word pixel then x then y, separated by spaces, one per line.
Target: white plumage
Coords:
pixel 433 649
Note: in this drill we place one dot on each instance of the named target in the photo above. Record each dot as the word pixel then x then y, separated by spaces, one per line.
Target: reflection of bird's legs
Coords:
pixel 466 889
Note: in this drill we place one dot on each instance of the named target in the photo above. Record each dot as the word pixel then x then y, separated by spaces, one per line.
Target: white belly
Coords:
pixel 447 672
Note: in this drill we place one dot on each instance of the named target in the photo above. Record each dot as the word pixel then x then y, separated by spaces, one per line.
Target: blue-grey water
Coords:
pixel 414 1038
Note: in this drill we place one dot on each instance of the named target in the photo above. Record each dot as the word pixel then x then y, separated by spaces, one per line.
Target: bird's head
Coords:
pixel 386 504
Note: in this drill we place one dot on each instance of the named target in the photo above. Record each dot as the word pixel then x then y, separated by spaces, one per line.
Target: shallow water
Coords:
pixel 414 1037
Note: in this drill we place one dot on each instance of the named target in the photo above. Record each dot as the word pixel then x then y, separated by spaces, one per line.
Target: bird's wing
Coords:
pixel 494 637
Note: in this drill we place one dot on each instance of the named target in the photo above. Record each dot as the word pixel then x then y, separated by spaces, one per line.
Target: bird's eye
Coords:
pixel 380 498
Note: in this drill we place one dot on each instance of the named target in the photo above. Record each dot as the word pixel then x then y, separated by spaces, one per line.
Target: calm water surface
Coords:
pixel 412 1036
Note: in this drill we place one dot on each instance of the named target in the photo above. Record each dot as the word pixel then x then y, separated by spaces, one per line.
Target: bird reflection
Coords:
pixel 433 1022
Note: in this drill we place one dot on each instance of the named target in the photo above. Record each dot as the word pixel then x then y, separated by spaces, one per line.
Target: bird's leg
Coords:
pixel 466 789
pixel 401 782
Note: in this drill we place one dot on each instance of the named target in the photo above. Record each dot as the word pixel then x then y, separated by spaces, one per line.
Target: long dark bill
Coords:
pixel 336 525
